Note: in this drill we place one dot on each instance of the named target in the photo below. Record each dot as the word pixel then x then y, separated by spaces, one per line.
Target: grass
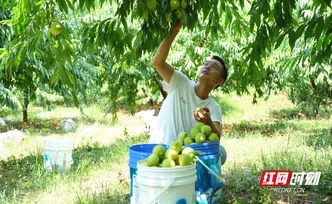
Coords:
pixel 272 134
pixel 95 167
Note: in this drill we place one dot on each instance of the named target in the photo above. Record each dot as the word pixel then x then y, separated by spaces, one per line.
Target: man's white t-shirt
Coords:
pixel 177 112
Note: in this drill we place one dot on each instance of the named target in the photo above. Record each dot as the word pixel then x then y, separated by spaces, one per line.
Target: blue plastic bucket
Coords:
pixel 136 153
pixel 207 186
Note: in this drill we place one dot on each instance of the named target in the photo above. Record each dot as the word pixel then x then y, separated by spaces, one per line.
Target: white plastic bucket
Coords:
pixel 165 185
pixel 58 154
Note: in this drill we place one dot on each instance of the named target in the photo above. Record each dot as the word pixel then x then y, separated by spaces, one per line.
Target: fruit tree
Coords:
pixel 266 45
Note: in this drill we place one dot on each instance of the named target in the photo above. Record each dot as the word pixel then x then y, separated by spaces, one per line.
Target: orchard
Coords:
pixel 94 48
pixel 91 61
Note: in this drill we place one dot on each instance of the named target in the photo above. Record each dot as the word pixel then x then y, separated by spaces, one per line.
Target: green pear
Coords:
pixel 194 132
pixel 200 138
pixel 189 151
pixel 182 135
pixel 188 141
pixel 55 28
pixel 151 4
pixel 180 142
pixel 213 137
pixel 168 163
pixel 153 160
pixel 185 160
pixel 172 154
pixel 198 125
pixel 176 145
pixel 159 150
pixel 206 130
pixel 144 163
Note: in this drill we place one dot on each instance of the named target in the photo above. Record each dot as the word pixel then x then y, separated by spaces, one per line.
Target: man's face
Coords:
pixel 211 71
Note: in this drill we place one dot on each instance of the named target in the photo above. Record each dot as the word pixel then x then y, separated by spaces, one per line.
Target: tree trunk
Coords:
pixel 160 86
pixel 25 116
pixel 150 100
pixel 26 102
pixel 316 105
pixel 315 111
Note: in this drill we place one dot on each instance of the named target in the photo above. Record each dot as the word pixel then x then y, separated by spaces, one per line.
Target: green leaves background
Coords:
pixel 106 48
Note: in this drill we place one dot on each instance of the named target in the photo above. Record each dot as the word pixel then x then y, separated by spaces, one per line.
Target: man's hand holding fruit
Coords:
pixel 202 115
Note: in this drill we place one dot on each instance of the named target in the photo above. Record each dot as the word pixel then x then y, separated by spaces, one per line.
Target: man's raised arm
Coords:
pixel 159 62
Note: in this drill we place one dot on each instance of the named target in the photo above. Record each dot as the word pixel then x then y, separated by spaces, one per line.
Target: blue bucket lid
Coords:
pixel 209 148
pixel 139 152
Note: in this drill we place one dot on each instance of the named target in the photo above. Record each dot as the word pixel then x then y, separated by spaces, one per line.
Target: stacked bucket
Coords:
pixel 198 183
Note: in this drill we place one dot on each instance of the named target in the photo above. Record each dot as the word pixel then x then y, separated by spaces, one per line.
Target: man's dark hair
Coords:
pixel 224 73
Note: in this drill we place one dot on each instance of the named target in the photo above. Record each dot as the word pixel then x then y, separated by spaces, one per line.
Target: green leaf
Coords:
pixel 257 19
pixel 67 77
pixel 241 3
pixel 299 31
pixel 292 3
pixel 287 11
pixel 278 14
pixel 56 76
pixel 229 17
pixel 222 5
pixel 254 55
pixel 207 30
pixel 251 24
pixel 70 5
pixel 309 31
pixel 81 4
pixel 257 74
pixel 291 38
pixel 328 3
pixel 63 6
pixel 319 27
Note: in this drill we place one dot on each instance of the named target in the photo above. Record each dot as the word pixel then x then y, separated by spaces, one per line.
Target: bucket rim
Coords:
pixel 57 140
pixel 138 146
pixel 169 169
pixel 203 144
pixel 58 148
pixel 180 175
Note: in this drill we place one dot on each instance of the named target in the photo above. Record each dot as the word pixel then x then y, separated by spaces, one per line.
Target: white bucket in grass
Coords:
pixel 58 154
pixel 165 185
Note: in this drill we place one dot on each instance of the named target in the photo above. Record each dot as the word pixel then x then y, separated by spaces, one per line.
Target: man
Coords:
pixel 177 113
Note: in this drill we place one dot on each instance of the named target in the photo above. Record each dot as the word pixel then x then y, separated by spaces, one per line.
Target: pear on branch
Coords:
pixel 55 28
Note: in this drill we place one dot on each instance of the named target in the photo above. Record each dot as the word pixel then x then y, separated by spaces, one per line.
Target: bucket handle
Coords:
pixel 170 182
pixel 208 168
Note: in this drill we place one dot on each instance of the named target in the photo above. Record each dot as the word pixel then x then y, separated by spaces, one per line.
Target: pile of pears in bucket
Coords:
pixel 199 134
pixel 178 155
pixel 175 155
